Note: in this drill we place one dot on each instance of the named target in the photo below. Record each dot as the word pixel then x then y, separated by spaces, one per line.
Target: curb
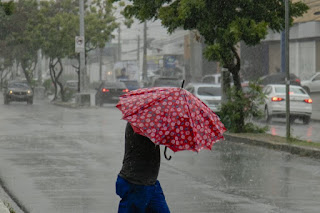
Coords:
pixel 293 149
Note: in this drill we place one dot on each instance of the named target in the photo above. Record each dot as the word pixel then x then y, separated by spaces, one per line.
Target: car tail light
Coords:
pixel 309 101
pixel 125 90
pixel 298 80
pixel 105 90
pixel 276 99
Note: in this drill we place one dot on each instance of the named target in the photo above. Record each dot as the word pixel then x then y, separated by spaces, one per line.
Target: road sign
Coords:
pixel 79 44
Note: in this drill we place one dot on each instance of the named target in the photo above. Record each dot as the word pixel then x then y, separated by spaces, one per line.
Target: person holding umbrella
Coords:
pixel 168 116
pixel 137 183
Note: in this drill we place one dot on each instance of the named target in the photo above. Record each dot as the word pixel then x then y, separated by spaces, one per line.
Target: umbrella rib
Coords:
pixel 191 118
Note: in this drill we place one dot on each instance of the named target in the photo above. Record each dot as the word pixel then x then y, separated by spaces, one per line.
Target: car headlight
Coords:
pixel 29 92
pixel 10 92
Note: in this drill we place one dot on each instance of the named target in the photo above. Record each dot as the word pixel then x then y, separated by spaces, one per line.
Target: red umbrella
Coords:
pixel 172 117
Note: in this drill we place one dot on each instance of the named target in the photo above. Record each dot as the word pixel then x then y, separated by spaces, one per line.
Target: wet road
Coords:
pixel 55 159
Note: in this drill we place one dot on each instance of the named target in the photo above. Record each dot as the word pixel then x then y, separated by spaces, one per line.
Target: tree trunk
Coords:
pixel 235 69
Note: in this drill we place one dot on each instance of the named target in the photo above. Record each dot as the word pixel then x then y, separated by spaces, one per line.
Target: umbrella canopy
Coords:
pixel 172 117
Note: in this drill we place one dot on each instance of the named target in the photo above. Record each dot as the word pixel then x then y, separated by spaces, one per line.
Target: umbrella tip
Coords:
pixel 182 83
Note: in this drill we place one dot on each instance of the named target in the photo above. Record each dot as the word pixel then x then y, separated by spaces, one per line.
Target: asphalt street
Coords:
pixel 56 159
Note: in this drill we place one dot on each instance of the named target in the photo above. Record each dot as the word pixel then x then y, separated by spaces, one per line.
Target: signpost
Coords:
pixel 82 98
pixel 79 44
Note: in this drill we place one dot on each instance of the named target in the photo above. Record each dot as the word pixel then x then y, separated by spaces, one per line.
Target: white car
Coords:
pixel 214 78
pixel 275 102
pixel 210 94
pixel 313 84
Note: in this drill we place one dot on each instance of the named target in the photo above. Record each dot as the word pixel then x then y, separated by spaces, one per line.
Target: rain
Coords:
pixel 71 72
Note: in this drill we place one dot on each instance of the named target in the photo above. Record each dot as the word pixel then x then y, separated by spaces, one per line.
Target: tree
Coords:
pixel 6 60
pixel 60 25
pixel 7 7
pixel 21 38
pixel 58 29
pixel 99 25
pixel 222 24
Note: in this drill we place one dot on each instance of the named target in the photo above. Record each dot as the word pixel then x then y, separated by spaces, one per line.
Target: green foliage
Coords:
pixel 60 25
pixel 19 41
pixel 47 84
pixel 7 7
pixel 221 24
pixel 246 102
pixel 11 210
pixel 68 95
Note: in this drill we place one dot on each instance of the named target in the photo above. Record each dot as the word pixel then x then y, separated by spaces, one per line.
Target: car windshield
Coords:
pixel 74 73
pixel 18 85
pixel 113 85
pixel 209 91
pixel 132 84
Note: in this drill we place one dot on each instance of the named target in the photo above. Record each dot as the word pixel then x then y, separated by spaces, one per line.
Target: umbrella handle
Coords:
pixel 165 154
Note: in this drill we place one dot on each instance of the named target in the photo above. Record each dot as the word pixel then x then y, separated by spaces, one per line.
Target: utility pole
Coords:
pixel 138 49
pixel 83 71
pixel 39 67
pixel 144 63
pixel 119 44
pixel 100 63
pixel 287 68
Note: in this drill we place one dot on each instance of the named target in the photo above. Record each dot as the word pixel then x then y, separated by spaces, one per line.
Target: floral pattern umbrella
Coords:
pixel 172 117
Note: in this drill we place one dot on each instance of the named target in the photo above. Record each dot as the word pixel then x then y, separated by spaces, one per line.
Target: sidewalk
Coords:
pixel 3 208
pixel 315 115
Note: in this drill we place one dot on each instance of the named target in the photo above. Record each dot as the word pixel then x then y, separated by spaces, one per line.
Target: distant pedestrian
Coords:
pixel 137 183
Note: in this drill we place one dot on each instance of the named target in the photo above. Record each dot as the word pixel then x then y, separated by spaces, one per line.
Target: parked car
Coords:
pixel 210 94
pixel 313 84
pixel 109 92
pixel 280 78
pixel 275 103
pixel 18 91
pixel 131 84
pixel 166 82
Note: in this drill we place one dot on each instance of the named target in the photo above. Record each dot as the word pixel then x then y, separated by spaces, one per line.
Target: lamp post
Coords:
pixel 144 62
pixel 39 67
pixel 287 69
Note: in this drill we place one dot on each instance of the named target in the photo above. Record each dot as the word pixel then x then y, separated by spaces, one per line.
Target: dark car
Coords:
pixel 18 91
pixel 279 78
pixel 166 82
pixel 131 84
pixel 109 92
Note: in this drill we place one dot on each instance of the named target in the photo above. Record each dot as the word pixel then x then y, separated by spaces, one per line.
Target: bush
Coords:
pixel 47 84
pixel 68 94
pixel 247 103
